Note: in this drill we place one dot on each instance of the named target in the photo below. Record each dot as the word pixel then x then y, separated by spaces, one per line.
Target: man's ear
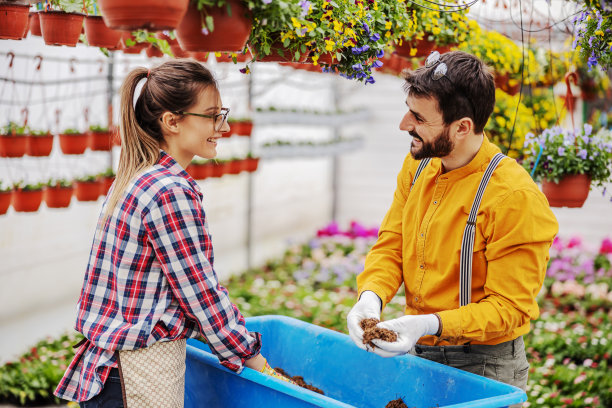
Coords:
pixel 463 128
pixel 169 123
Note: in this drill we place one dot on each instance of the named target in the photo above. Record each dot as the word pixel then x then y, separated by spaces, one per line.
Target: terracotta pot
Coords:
pixel 445 48
pixel 26 200
pixel 327 58
pixel 230 33
pixel 502 82
pixel 99 141
pixel 199 56
pixel 99 35
pixel 87 190
pixel 39 146
pixel 13 21
pixel 106 183
pixel 234 167
pixel 73 144
pixel 132 49
pixel 200 171
pixel 251 164
pixel 423 48
pixel 244 128
pixel 58 197
pixel 572 191
pixel 12 145
pixel 218 170
pixel 60 28
pixel 34 24
pixel 153 51
pixel 152 15
pixel 5 201
pixel 179 52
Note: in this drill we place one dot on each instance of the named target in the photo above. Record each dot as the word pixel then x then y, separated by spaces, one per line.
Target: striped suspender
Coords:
pixel 467 243
pixel 419 169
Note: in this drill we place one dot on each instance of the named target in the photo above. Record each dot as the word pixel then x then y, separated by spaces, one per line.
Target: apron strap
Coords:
pixel 419 169
pixel 467 243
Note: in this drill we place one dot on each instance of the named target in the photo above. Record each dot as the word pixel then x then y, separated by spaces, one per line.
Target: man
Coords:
pixel 423 235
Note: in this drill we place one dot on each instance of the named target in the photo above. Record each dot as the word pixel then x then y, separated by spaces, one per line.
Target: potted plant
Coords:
pixel 200 169
pixel 214 25
pixel 73 141
pixel 63 24
pixel 106 178
pixel 12 140
pixel 251 163
pixel 99 35
pixel 13 20
pixel 99 138
pixel 39 143
pixel 153 15
pixel 34 24
pixel 566 162
pixel 240 126
pixel 58 193
pixel 593 34
pixel 87 188
pixel 5 197
pixel 27 197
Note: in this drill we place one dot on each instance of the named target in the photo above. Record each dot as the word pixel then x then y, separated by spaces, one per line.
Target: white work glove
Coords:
pixel 409 330
pixel 368 306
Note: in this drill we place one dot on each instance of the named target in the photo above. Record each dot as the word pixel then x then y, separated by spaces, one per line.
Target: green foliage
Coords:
pixel 109 172
pixel 58 182
pixel 72 131
pixel 565 152
pixel 88 178
pixel 12 129
pixel 33 377
pixel 21 185
pixel 5 188
pixel 593 36
pixel 98 128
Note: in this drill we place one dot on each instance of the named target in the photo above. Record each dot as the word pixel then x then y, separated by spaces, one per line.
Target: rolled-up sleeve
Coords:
pixel 176 229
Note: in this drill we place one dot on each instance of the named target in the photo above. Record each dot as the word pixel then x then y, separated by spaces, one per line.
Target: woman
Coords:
pixel 150 282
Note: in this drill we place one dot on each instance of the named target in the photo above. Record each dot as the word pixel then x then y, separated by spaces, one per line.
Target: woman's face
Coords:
pixel 197 135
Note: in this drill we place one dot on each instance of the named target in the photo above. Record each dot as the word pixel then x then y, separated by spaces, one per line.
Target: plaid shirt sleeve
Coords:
pixel 176 227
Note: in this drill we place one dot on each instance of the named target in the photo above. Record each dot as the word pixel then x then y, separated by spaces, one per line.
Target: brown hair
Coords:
pixel 170 87
pixel 466 90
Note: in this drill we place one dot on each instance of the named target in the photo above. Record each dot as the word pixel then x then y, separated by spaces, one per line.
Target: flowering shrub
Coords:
pixel 547 109
pixel 506 121
pixel 558 152
pixel 593 34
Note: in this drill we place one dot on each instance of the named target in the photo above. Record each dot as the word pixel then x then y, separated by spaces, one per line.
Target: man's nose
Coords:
pixel 407 123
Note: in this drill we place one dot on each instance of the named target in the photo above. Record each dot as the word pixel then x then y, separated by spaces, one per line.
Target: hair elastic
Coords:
pixel 148 72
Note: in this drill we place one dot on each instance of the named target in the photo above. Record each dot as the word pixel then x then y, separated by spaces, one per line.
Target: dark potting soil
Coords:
pixel 299 380
pixel 398 403
pixel 370 332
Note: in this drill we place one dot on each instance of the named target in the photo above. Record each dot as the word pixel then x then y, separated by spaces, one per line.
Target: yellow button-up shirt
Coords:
pixel 420 240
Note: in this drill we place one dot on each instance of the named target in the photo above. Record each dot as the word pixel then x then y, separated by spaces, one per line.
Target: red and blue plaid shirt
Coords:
pixel 150 278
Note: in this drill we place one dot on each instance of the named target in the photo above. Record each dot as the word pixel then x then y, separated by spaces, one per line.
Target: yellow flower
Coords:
pixel 413 52
pixel 349 43
pixel 315 59
pixel 296 23
pixel 388 25
pixel 330 45
pixel 288 35
pixel 436 30
pixel 500 121
pixel 599 32
pixel 337 26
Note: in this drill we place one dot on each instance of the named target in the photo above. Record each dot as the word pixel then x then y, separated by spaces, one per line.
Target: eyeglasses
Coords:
pixel 433 59
pixel 219 118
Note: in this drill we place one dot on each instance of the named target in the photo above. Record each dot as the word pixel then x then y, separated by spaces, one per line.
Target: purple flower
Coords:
pixel 380 54
pixel 366 28
pixel 588 129
pixel 266 1
pixel 592 61
pixel 305 4
pixel 375 37
pixel 243 70
pixel 204 31
pixel 582 154
pixel 561 151
pixel 377 64
pixel 370 80
pixel 357 67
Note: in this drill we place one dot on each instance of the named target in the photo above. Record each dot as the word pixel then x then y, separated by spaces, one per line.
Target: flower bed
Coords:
pixel 568 347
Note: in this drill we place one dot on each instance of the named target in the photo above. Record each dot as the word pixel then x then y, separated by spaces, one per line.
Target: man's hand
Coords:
pixel 409 330
pixel 368 306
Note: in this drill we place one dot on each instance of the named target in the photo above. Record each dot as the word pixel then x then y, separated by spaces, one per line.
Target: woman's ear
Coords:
pixel 169 123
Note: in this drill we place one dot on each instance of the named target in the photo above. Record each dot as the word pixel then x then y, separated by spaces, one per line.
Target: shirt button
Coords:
pixel 435 202
pixel 422 234
pixel 416 298
pixel 422 266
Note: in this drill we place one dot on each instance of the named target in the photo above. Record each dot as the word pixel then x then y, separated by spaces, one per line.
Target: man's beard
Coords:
pixel 440 147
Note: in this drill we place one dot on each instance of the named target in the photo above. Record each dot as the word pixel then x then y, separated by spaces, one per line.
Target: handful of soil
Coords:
pixel 398 403
pixel 299 380
pixel 370 332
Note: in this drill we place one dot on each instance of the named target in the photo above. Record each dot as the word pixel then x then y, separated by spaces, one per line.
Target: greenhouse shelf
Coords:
pixel 349 376
pixel 281 117
pixel 315 150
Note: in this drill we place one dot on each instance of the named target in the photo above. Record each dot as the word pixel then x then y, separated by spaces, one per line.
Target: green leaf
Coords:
pixel 210 24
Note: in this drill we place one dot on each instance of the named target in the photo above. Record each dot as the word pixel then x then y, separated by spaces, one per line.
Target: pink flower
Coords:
pixel 574 242
pixel 606 246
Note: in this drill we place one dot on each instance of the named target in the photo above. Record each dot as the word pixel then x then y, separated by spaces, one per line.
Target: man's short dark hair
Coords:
pixel 466 90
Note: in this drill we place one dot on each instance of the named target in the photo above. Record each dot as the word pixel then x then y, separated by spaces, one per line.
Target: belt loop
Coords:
pixel 514 347
pixel 466 348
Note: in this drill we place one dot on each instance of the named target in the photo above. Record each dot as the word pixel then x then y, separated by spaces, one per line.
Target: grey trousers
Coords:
pixel 505 362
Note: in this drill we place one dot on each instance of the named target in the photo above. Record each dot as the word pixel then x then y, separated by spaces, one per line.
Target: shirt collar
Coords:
pixel 478 163
pixel 169 163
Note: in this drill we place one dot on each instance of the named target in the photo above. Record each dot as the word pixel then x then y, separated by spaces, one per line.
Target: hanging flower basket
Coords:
pixel 153 15
pixel 34 24
pixel 73 143
pixel 39 145
pixel 506 84
pixel 234 166
pixel 26 200
pixel 58 196
pixel 445 48
pixel 571 191
pixel 200 171
pixel 87 190
pixel 251 164
pixel 415 48
pixel 136 48
pixel 5 201
pixel 275 56
pixel 12 145
pixel 106 183
pixel 99 141
pixel 230 33
pixel 99 35
pixel 152 51
pixel 241 128
pixel 219 169
pixel 61 28
pixel 227 57
pixel 327 58
pixel 13 21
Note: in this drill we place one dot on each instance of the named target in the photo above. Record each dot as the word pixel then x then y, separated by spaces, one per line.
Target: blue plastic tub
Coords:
pixel 349 376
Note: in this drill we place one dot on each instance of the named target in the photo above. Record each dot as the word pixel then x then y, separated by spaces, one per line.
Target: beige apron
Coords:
pixel 154 376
